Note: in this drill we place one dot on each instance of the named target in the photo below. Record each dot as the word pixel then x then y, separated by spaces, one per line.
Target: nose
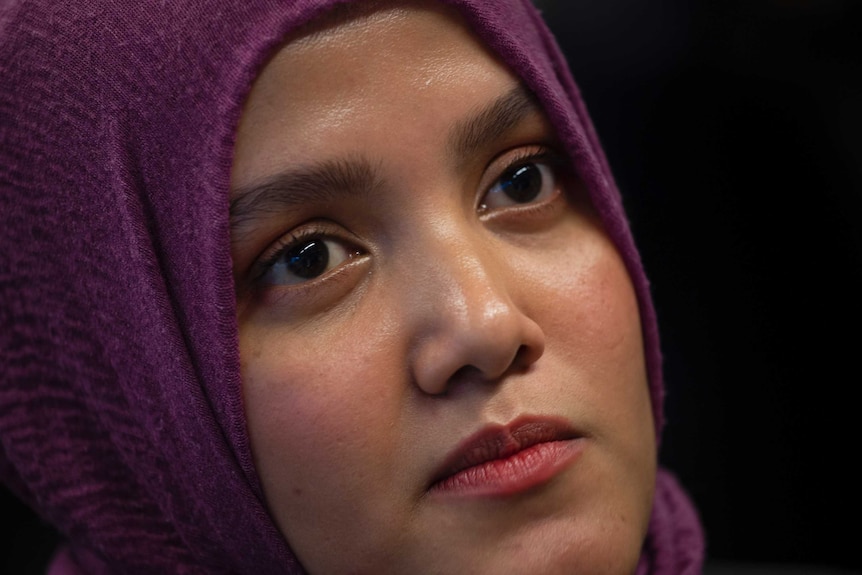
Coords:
pixel 470 324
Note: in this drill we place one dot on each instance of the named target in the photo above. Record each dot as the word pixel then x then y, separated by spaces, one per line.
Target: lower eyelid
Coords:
pixel 316 294
pixel 528 214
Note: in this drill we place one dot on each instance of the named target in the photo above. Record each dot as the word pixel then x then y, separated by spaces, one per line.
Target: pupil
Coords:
pixel 523 184
pixel 308 260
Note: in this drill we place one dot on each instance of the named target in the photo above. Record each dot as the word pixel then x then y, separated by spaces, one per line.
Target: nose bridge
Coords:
pixel 466 310
pixel 464 277
pixel 475 285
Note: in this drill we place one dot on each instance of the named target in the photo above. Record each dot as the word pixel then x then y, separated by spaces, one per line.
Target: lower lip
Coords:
pixel 525 470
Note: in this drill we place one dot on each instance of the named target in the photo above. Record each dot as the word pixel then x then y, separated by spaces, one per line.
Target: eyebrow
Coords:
pixel 332 180
pixel 492 122
pixel 319 182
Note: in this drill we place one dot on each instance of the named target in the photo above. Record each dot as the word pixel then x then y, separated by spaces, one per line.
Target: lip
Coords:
pixel 504 460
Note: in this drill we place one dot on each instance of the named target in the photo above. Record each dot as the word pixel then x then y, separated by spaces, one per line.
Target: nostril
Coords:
pixel 466 374
pixel 527 355
pixel 519 362
pixel 524 358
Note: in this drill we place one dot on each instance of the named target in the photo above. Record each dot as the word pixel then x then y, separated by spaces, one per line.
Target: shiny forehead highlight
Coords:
pixel 353 14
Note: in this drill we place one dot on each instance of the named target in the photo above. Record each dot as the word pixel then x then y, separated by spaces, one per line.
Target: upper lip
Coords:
pixel 500 441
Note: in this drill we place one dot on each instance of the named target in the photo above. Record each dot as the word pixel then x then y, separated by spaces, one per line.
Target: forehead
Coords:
pixel 381 67
pixel 419 44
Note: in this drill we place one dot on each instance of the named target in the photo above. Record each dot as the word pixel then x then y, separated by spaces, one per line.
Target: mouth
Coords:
pixel 504 460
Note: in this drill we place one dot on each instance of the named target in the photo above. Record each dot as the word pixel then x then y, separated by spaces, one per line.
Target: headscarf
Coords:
pixel 121 417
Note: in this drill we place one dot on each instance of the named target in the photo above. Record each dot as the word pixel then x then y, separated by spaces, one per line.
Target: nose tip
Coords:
pixel 503 339
pixel 481 338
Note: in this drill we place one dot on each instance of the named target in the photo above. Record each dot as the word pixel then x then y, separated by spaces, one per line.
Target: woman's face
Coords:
pixel 441 350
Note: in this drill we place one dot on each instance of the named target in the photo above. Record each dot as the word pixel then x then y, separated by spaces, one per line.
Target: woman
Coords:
pixel 343 288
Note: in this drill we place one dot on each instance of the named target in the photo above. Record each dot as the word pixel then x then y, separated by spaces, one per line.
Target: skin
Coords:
pixel 446 307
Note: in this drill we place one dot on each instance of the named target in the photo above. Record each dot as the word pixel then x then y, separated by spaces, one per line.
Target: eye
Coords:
pixel 522 183
pixel 304 259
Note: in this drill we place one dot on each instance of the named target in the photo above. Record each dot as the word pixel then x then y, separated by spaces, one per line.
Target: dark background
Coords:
pixel 733 128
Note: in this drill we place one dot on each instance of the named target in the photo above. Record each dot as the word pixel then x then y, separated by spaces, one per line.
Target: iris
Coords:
pixel 522 184
pixel 308 260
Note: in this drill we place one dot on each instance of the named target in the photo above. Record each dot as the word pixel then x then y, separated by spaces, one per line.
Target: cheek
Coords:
pixel 595 331
pixel 320 419
pixel 590 309
pixel 605 332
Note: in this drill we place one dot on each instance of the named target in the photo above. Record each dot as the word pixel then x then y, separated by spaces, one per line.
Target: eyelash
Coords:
pixel 530 155
pixel 316 231
pixel 525 156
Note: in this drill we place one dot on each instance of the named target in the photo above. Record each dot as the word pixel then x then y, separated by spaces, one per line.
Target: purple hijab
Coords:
pixel 121 419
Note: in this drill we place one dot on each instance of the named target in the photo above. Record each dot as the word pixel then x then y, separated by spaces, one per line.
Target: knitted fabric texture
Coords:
pixel 121 419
